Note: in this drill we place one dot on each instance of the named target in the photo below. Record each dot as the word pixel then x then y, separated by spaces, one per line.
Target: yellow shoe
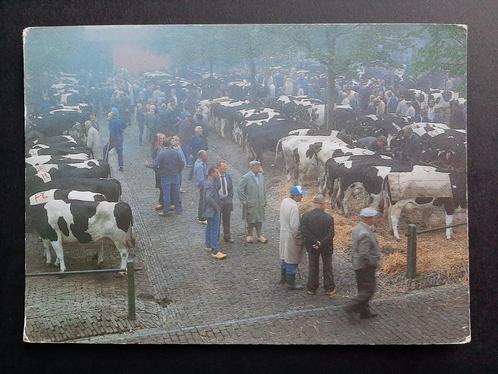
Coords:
pixel 249 239
pixel 262 239
pixel 219 255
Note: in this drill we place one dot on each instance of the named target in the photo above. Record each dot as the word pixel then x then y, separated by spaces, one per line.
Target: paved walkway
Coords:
pixel 185 296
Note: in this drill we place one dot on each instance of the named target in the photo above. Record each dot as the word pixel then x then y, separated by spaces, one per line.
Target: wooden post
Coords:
pixel 411 254
pixel 130 267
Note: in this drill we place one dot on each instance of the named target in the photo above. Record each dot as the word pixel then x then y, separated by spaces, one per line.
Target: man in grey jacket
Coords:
pixel 366 256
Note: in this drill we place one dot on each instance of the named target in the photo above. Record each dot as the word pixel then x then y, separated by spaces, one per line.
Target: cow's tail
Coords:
pixel 386 199
pixel 276 150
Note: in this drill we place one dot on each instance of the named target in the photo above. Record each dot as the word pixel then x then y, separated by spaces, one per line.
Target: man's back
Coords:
pixel 317 225
pixel 169 162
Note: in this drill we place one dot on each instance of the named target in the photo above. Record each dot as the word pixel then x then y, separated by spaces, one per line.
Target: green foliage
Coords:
pixel 445 50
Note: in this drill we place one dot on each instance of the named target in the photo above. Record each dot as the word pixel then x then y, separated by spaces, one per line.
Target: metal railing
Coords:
pixel 130 272
pixel 411 250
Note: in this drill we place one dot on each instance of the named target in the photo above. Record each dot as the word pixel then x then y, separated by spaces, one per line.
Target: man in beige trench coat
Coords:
pixel 252 195
pixel 291 247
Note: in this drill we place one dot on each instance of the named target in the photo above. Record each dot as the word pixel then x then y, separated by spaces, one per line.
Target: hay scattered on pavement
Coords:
pixel 434 252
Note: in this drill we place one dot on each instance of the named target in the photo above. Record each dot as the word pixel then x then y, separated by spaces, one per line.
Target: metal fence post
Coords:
pixel 411 254
pixel 130 267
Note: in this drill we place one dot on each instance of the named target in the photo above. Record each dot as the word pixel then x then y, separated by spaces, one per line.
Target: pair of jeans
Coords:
pixel 290 269
pixel 213 232
pixel 314 270
pixel 171 193
pixel 179 184
pixel 119 149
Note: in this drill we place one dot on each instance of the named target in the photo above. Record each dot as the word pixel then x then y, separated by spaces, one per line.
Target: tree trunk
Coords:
pixel 331 91
pixel 252 73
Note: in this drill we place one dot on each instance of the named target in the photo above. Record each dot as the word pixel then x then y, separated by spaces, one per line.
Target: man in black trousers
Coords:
pixel 366 257
pixel 317 229
pixel 225 188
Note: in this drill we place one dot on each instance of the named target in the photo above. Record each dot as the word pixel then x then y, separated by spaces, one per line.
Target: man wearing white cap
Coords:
pixel 366 255
pixel 290 248
pixel 252 195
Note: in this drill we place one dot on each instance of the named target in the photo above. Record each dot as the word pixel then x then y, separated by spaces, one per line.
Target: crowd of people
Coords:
pixel 174 127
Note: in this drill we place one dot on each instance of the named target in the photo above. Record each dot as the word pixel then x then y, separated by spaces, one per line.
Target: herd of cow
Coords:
pixel 331 160
pixel 71 197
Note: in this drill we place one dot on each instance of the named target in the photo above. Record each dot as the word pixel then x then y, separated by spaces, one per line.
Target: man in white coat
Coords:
pixel 93 138
pixel 291 248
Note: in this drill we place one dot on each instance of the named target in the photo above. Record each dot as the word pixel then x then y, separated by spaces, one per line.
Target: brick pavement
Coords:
pixel 243 290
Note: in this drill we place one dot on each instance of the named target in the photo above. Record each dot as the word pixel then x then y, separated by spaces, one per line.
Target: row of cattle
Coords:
pixel 68 112
pixel 340 168
pixel 71 198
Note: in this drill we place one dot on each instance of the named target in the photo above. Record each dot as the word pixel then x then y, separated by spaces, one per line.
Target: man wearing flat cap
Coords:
pixel 252 195
pixel 317 228
pixel 290 246
pixel 366 256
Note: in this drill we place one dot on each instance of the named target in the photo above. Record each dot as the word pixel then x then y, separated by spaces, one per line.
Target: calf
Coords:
pixel 65 221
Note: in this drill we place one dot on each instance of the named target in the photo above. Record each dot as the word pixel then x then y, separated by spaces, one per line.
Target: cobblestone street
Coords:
pixel 185 296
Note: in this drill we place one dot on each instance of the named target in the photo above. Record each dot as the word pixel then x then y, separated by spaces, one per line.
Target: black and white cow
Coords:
pixel 289 143
pixel 343 118
pixel 424 187
pixel 56 122
pixel 311 158
pixel 65 221
pixel 441 145
pixel 57 149
pixel 109 187
pixel 47 159
pixel 224 115
pixel 266 137
pixel 81 169
pixel 370 170
pixel 387 125
pixel 305 110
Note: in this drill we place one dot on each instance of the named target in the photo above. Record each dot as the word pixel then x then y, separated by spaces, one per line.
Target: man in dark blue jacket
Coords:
pixel 116 129
pixel 198 143
pixel 169 165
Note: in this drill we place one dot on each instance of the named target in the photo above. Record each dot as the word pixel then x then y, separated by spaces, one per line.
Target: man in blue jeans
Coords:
pixel 169 166
pixel 116 129
pixel 212 211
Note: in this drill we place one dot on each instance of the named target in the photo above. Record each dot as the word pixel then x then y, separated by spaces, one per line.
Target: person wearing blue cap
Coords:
pixel 365 255
pixel 290 246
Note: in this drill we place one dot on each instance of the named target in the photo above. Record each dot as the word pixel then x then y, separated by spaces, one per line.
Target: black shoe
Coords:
pixel 367 315
pixel 291 283
pixel 350 309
